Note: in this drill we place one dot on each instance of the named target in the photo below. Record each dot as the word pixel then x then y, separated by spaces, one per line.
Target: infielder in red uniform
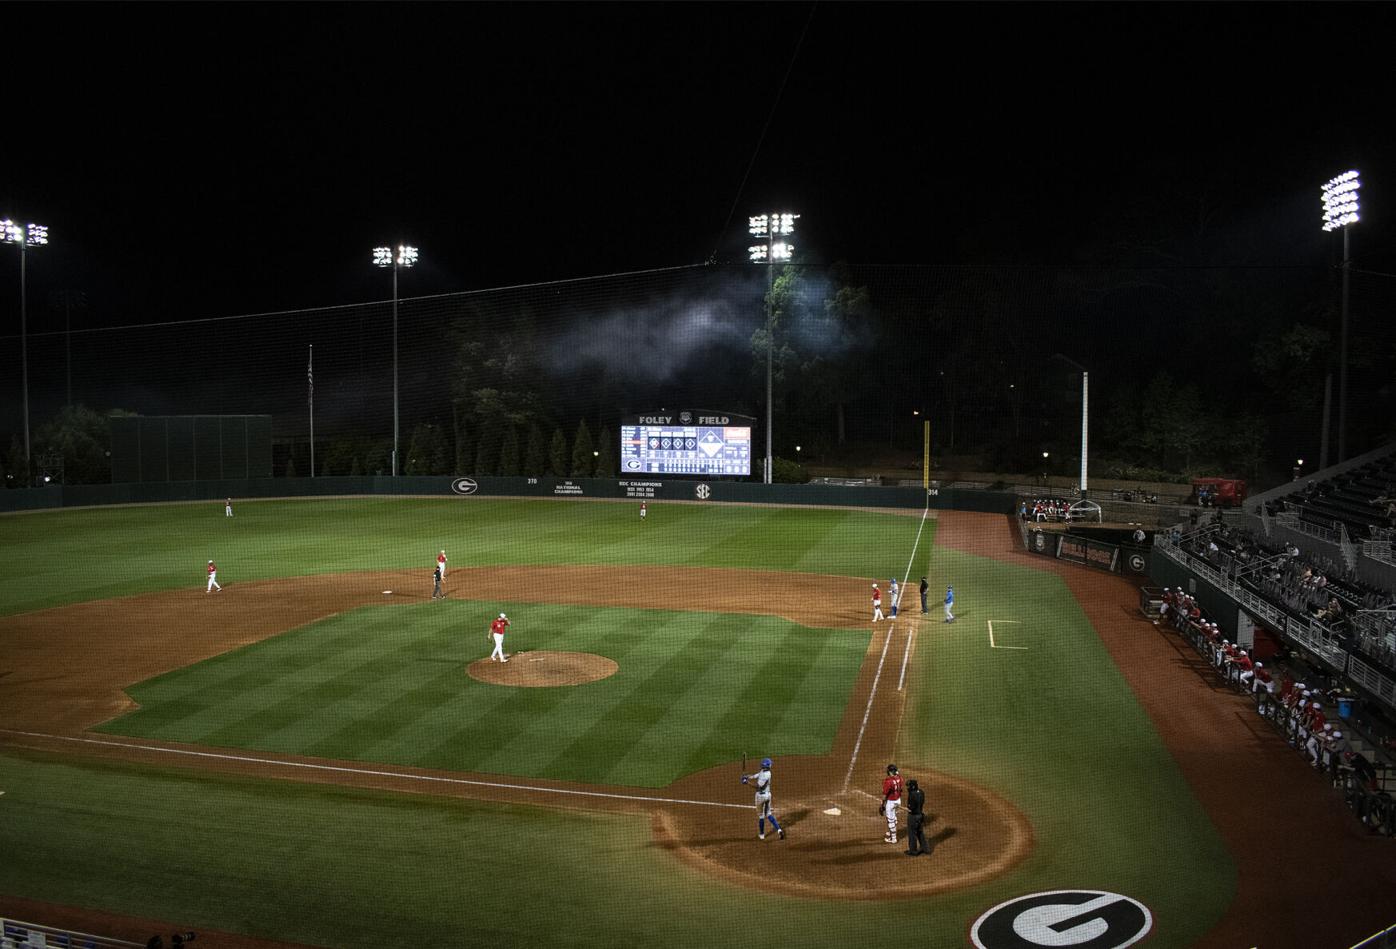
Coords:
pixel 212 578
pixel 891 800
pixel 441 562
pixel 877 603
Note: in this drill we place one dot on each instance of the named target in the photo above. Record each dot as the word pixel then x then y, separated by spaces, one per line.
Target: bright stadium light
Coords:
pixel 767 227
pixel 406 256
pixel 1340 210
pixel 29 235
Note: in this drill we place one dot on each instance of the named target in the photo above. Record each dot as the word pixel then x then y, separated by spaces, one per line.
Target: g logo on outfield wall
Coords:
pixel 1084 919
pixel 1136 563
pixel 703 492
pixel 464 486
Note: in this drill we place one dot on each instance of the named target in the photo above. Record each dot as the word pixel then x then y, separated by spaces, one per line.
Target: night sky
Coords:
pixel 197 160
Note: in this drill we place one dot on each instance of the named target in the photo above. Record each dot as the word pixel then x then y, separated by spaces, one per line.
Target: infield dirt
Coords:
pixel 67 668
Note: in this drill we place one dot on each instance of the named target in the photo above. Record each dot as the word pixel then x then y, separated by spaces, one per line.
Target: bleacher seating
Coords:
pixel 1362 500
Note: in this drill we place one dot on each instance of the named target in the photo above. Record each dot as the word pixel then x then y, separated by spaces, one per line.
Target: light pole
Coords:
pixel 1085 415
pixel 1339 211
pixel 403 256
pixel 24 237
pixel 770 227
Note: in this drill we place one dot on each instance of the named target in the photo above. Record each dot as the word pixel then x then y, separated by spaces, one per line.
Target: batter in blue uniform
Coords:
pixel 762 780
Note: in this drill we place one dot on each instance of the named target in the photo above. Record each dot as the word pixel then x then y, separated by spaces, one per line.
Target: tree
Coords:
pixel 15 469
pixel 509 452
pixel 583 462
pixel 83 438
pixel 557 455
pixel 426 452
pixel 534 456
pixel 606 459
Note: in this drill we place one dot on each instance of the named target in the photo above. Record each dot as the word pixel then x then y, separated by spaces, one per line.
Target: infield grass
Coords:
pixel 388 684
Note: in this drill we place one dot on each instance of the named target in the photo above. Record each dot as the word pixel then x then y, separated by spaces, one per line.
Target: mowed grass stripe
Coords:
pixel 635 697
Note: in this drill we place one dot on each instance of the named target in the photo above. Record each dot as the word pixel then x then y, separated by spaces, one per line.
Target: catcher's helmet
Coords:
pixel 891 769
pixel 765 762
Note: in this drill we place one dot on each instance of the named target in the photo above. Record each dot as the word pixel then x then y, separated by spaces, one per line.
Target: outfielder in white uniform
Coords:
pixel 762 780
pixel 212 578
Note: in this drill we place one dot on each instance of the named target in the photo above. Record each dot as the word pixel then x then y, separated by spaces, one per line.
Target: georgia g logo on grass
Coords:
pixel 464 486
pixel 1082 919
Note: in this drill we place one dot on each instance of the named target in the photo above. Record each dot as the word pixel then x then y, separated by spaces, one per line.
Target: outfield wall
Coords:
pixel 87 495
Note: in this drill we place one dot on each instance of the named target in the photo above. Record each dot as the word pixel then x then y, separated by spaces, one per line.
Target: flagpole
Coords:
pixel 310 380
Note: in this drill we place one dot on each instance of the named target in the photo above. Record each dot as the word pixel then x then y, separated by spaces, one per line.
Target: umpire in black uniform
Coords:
pixel 916 818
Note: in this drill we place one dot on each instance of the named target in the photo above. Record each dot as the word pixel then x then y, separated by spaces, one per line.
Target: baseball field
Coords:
pixel 322 754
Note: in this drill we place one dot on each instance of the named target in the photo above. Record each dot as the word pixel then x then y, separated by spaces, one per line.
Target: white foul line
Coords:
pixel 906 654
pixel 991 634
pixel 371 773
pixel 872 694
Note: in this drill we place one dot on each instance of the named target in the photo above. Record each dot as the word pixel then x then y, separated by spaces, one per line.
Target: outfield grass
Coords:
pixel 388 684
pixel 1055 728
pixel 51 558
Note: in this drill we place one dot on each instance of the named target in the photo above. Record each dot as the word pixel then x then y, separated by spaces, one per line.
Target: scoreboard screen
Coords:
pixel 686 449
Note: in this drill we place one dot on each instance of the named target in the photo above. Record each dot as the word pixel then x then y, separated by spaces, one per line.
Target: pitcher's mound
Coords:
pixel 541 669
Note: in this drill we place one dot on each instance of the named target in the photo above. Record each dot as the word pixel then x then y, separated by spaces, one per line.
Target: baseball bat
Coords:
pixel 744 764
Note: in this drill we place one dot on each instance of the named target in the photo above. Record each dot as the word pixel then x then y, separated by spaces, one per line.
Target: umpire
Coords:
pixel 916 818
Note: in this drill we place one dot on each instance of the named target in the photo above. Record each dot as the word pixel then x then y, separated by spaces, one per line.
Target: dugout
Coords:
pixel 189 447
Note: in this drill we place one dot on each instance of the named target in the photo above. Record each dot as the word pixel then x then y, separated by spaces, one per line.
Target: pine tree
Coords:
pixel 509 452
pixel 557 457
pixel 606 460
pixel 534 458
pixel 583 462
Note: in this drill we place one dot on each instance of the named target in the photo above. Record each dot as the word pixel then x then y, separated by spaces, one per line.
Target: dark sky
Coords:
pixel 203 159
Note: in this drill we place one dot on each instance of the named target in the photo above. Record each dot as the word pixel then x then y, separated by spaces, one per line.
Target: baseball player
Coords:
pixel 764 813
pixel 436 593
pixel 949 604
pixel 441 563
pixel 891 798
pixel 212 578
pixel 642 510
pixel 877 604
pixel 228 508
pixel 497 629
pixel 895 594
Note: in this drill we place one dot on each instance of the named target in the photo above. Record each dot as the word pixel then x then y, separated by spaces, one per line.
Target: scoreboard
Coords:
pixel 651 445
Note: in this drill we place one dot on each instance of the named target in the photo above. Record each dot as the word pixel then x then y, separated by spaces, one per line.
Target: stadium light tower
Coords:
pixel 24 237
pixel 771 228
pixel 403 256
pixel 1339 212
pixel 1085 414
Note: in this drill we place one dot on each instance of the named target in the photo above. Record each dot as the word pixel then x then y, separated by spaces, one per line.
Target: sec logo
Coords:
pixel 464 486
pixel 703 492
pixel 1087 919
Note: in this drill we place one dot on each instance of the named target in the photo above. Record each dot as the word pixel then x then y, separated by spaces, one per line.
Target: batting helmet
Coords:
pixel 891 769
pixel 502 616
pixel 765 762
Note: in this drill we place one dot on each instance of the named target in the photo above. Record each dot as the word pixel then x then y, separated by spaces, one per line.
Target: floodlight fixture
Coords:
pixel 781 251
pixel 29 235
pixel 405 255
pixel 767 227
pixel 758 253
pixel 1340 204
pixel 758 225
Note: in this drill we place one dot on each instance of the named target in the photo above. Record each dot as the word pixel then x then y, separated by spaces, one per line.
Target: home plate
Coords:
pixel 387 592
pixel 833 812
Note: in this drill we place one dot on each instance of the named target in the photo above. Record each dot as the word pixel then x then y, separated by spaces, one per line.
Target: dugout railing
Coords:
pixel 17 934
